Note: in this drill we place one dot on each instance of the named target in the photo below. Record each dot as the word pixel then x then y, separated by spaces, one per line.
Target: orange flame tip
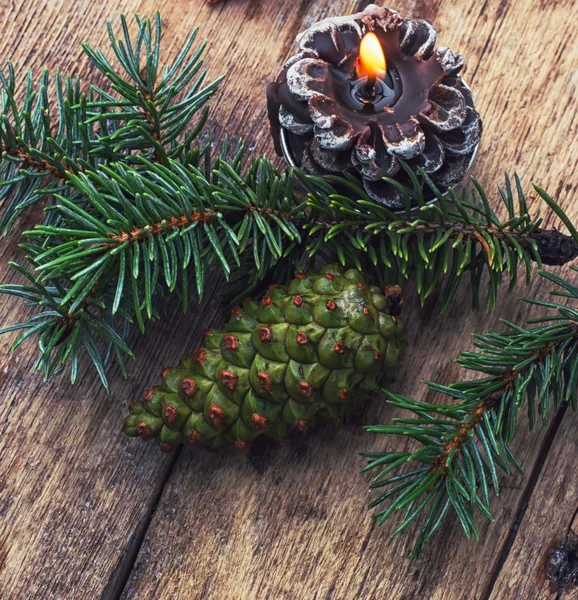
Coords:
pixel 371 62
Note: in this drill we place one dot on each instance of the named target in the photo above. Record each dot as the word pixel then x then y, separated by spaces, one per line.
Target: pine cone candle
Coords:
pixel 307 353
pixel 420 111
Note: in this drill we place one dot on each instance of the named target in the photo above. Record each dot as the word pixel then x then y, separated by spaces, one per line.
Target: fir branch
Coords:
pixel 51 152
pixel 138 232
pixel 63 328
pixel 439 243
pixel 463 445
pixel 37 149
pixel 177 212
pixel 151 115
pixel 154 111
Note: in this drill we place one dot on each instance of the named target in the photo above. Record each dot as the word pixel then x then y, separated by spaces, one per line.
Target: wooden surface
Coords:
pixel 86 513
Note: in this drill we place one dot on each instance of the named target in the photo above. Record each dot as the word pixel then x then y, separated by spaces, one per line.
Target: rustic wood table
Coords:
pixel 86 513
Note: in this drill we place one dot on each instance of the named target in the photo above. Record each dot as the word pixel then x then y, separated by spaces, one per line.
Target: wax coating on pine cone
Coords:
pixel 311 352
pixel 432 124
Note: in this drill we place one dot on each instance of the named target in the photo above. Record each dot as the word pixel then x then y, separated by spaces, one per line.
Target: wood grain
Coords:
pixel 76 498
pixel 549 525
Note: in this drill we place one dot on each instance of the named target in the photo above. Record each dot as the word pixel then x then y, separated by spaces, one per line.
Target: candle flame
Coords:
pixel 371 57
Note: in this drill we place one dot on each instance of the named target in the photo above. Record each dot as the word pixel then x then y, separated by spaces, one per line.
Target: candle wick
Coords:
pixel 369 89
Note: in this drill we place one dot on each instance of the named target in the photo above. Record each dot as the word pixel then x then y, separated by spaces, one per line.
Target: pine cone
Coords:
pixel 432 124
pixel 311 352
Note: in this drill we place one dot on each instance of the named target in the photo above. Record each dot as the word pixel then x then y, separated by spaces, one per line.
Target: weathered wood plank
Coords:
pixel 300 529
pixel 550 526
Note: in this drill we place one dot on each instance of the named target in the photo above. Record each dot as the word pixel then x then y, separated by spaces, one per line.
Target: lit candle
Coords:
pixel 371 63
pixel 372 87
pixel 366 90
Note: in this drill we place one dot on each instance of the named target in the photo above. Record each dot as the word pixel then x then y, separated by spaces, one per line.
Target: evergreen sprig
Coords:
pixel 53 151
pixel 38 148
pixel 148 113
pixel 135 237
pixel 137 206
pixel 463 446
pixel 438 242
pixel 154 106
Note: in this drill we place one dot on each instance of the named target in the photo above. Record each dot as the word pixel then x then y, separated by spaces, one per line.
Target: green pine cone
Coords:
pixel 313 351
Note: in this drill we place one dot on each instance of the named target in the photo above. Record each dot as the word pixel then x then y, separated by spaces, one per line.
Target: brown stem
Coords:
pixel 38 165
pixel 554 247
pixel 488 403
pixel 267 212
pixel 156 135
pixel 474 418
pixel 141 234
pixel 71 319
